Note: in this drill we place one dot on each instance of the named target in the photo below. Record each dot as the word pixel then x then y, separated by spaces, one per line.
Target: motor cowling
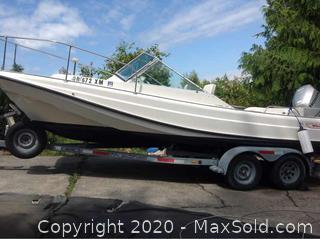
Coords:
pixel 306 101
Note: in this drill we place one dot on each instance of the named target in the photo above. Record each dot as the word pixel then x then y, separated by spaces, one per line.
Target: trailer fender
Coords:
pixel 263 153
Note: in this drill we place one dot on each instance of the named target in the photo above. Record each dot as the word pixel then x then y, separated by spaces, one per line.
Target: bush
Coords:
pixel 239 92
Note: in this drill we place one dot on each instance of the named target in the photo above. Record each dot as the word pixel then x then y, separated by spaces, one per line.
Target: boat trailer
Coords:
pixel 242 165
pixel 217 165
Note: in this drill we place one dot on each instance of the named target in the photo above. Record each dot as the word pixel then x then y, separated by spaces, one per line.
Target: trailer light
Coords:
pixel 100 153
pixel 266 152
pixel 166 160
pixel 196 162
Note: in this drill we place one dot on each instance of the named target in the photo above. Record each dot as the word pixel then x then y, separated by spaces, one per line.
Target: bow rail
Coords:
pixel 7 40
pixel 17 41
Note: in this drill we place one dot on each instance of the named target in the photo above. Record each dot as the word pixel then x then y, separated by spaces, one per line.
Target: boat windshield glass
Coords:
pixel 160 74
pixel 135 65
pixel 150 70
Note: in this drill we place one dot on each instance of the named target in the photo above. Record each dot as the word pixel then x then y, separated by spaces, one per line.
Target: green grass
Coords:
pixel 55 139
pixel 72 184
pixel 129 150
pixel 48 152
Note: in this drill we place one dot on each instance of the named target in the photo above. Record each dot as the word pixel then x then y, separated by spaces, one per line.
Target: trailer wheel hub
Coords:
pixel 244 171
pixel 289 172
pixel 25 139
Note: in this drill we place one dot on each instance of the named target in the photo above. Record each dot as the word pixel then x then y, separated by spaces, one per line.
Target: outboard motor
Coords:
pixel 306 101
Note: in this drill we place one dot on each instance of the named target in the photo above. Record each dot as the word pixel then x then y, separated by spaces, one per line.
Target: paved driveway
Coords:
pixel 174 186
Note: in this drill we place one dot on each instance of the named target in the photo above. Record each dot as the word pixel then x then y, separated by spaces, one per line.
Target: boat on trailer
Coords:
pixel 147 103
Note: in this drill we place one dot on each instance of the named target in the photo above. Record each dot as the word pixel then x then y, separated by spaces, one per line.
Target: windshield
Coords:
pixel 161 74
pixel 134 66
pixel 151 70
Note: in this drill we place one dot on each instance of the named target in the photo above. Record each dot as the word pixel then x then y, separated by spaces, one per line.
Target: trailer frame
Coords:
pixel 217 165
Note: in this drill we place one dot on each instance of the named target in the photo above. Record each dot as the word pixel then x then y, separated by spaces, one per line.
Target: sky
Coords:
pixel 207 36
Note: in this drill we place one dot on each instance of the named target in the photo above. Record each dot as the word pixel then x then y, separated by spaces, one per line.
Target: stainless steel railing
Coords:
pixel 6 40
pixel 69 47
pixel 30 48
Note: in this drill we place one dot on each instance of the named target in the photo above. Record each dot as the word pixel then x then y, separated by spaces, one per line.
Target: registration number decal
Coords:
pixel 87 80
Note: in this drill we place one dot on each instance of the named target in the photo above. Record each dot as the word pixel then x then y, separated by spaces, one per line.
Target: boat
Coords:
pixel 147 103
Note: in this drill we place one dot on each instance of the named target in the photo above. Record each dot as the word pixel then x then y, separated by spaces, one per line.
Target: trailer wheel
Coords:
pixel 288 172
pixel 24 140
pixel 244 172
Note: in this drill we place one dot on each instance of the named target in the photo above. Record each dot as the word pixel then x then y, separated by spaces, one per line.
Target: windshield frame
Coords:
pixel 117 73
pixel 143 69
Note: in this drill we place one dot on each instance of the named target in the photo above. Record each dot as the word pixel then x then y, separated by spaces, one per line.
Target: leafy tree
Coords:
pixel 103 73
pixel 193 76
pixel 90 71
pixel 238 91
pixel 157 74
pixel 87 71
pixel 17 67
pixel 62 70
pixel 126 52
pixel 290 56
pixel 205 82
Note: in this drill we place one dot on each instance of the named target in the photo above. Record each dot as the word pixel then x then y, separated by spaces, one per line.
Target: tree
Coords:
pixel 103 73
pixel 126 52
pixel 237 91
pixel 157 74
pixel 62 70
pixel 193 77
pixel 87 71
pixel 17 67
pixel 290 56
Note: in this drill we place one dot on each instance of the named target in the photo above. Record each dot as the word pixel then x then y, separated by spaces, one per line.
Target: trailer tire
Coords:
pixel 244 172
pixel 25 140
pixel 288 172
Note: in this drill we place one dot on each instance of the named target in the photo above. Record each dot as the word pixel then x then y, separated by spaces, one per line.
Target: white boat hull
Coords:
pixel 116 111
